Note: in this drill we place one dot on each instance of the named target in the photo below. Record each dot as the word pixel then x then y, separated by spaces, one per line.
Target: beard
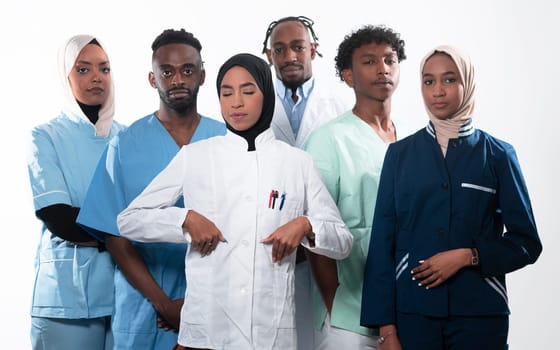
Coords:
pixel 180 105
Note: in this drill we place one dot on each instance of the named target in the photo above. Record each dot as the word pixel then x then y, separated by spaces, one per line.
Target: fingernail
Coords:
pixel 414 278
pixel 420 261
pixel 420 284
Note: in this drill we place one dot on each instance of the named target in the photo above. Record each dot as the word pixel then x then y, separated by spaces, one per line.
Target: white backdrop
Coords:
pixel 513 44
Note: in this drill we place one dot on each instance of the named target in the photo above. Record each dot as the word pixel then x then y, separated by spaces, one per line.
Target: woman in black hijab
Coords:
pixel 260 72
pixel 250 201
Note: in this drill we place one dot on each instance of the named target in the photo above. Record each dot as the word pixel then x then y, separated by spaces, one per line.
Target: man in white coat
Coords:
pixel 302 105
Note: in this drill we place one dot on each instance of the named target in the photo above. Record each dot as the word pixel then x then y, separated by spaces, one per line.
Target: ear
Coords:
pixel 152 79
pixel 269 55
pixel 347 77
pixel 202 76
pixel 314 50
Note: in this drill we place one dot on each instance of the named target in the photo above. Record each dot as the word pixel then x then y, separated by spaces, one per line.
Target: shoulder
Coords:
pixel 291 153
pixel 411 140
pixel 331 129
pixel 494 142
pixel 498 149
pixel 212 123
pixel 61 124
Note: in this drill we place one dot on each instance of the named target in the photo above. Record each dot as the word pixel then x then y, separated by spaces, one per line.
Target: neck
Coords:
pixel 378 117
pixel 376 113
pixel 180 128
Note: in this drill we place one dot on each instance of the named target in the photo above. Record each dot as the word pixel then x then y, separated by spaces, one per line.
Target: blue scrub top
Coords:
pixel 71 281
pixel 128 165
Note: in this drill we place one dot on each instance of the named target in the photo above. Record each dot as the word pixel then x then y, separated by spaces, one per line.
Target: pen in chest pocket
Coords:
pixel 273 196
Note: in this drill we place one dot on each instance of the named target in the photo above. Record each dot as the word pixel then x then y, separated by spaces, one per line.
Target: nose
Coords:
pixel 96 78
pixel 438 90
pixel 291 55
pixel 237 100
pixel 382 68
pixel 177 80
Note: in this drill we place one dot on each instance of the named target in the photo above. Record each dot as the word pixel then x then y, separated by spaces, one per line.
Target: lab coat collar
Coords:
pixel 262 140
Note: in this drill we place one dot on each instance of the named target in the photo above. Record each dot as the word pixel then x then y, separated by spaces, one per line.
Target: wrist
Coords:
pixel 383 336
pixel 474 259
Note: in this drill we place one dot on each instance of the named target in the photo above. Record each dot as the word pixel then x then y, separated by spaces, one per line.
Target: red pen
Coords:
pixel 270 198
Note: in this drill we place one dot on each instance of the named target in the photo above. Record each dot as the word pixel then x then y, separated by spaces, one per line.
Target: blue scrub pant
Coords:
pixel 71 334
pixel 418 332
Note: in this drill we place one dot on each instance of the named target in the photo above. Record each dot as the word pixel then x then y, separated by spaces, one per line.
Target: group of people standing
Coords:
pixel 300 222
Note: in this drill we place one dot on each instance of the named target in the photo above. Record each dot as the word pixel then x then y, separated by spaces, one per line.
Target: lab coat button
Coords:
pixel 245 243
pixel 444 185
pixel 248 198
pixel 243 290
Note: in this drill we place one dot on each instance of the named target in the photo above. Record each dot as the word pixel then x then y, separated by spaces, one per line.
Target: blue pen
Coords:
pixel 282 198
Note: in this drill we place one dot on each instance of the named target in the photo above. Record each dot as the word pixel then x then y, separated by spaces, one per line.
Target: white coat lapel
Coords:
pixel 281 125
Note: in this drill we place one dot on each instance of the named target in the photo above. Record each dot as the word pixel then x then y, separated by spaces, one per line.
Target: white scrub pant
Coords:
pixel 333 338
pixel 71 334
pixel 304 306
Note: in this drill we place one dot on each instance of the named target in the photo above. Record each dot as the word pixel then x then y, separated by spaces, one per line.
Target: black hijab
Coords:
pixel 260 71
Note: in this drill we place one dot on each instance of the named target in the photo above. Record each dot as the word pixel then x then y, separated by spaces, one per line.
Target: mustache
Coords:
pixel 383 81
pixel 292 64
pixel 179 89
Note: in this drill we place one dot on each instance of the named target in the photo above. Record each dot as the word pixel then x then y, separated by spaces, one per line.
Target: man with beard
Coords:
pixel 149 279
pixel 303 103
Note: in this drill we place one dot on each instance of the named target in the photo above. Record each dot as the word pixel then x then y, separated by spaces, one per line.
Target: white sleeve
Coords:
pixel 153 216
pixel 332 237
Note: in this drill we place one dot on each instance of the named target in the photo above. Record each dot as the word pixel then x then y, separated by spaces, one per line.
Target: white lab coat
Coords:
pixel 321 107
pixel 237 298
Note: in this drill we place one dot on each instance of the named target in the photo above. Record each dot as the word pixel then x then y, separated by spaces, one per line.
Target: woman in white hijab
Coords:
pixel 453 217
pixel 73 290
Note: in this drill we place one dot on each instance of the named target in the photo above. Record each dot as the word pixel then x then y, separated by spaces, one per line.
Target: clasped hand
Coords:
pixel 440 267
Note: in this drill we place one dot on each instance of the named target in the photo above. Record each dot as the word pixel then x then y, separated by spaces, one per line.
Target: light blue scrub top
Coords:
pixel 70 281
pixel 128 165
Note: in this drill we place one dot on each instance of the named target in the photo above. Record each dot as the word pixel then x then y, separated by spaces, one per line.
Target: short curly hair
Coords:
pixel 172 36
pixel 367 34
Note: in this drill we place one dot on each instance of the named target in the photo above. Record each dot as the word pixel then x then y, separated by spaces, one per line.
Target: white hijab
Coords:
pixel 67 56
pixel 449 128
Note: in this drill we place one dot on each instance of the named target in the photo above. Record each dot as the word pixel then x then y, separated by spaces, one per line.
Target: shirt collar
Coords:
pixel 464 131
pixel 303 90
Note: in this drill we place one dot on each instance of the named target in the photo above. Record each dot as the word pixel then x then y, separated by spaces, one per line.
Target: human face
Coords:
pixel 90 78
pixel 442 88
pixel 241 100
pixel 291 53
pixel 177 74
pixel 375 72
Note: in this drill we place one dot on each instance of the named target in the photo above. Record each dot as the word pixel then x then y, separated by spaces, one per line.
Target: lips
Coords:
pixel 237 116
pixel 178 93
pixel 383 82
pixel 291 69
pixel 96 90
pixel 439 105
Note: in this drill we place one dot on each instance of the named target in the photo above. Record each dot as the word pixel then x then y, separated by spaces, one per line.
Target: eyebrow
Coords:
pixel 247 84
pixel 292 42
pixel 445 73
pixel 90 63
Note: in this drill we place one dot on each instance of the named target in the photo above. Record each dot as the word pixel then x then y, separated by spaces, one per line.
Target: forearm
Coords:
pixel 60 219
pixel 325 273
pixel 132 265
